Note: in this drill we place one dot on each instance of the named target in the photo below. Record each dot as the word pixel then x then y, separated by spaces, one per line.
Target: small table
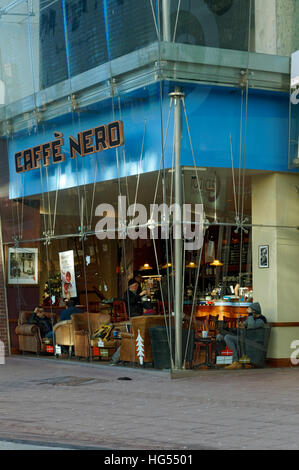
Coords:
pixel 105 350
pixel 48 345
pixel 206 343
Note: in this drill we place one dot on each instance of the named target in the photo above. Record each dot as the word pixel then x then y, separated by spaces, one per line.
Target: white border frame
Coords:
pixel 263 247
pixel 20 280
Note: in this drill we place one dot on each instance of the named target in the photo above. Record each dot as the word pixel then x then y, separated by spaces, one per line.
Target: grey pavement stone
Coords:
pixel 4 445
pixel 86 404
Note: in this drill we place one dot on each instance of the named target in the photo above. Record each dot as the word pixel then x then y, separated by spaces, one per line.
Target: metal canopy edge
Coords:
pixel 167 61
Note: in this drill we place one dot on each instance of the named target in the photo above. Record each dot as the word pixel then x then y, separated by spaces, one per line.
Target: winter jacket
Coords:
pixel 253 323
pixel 44 324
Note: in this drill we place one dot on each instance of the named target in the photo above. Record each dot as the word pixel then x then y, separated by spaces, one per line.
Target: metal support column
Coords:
pixel 166 20
pixel 177 96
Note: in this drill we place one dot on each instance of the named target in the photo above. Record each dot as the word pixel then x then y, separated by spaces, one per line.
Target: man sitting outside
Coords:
pixel 232 340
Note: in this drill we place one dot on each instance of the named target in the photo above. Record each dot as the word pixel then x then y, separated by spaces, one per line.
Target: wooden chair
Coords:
pixel 212 323
pixel 205 323
pixel 201 324
pixel 213 330
pixel 161 309
pixel 119 311
pixel 230 322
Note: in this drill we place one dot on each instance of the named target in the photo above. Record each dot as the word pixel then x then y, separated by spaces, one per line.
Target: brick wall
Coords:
pixel 4 178
pixel 3 319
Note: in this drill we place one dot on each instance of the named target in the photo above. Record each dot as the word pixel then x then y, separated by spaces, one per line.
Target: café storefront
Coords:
pixel 62 171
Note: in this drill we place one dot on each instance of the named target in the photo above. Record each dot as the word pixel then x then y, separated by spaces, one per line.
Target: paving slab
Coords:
pixel 49 402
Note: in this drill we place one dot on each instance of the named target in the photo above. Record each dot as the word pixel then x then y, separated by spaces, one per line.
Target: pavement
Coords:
pixel 59 404
pixel 23 445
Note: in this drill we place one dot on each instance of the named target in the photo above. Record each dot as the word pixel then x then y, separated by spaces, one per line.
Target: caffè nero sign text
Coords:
pixel 88 142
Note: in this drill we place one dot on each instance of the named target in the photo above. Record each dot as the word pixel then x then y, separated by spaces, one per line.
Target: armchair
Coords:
pixel 140 325
pixel 84 325
pixel 256 344
pixel 64 334
pixel 30 339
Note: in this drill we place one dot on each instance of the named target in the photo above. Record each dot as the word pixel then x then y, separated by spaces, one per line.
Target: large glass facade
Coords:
pixel 71 74
pixel 45 43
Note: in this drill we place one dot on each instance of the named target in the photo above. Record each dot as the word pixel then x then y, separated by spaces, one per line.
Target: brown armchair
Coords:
pixel 84 325
pixel 128 340
pixel 30 339
pixel 64 334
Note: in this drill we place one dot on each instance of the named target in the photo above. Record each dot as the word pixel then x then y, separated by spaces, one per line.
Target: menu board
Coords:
pixel 231 254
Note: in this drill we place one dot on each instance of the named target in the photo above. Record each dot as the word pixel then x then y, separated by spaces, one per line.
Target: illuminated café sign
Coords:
pixel 88 142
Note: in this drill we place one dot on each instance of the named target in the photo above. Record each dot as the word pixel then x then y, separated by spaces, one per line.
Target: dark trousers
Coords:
pixel 234 341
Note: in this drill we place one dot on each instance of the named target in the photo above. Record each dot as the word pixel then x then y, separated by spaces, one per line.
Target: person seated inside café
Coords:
pixel 138 278
pixel 40 319
pixel 234 339
pixel 148 309
pixel 133 300
pixel 70 309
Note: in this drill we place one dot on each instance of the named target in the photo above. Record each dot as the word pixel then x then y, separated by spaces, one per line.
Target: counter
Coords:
pixel 227 309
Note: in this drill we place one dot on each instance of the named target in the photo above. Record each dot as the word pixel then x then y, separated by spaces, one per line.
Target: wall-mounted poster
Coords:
pixel 22 265
pixel 264 256
pixel 67 270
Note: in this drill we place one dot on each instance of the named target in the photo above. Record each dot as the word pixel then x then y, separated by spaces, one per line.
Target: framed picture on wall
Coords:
pixel 22 266
pixel 263 256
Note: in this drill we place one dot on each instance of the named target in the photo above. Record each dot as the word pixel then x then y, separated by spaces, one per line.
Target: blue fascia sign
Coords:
pixel 105 142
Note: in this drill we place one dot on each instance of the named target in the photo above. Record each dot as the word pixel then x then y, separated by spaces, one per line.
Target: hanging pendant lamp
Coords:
pixel 169 265
pixel 191 265
pixel 216 263
pixel 145 267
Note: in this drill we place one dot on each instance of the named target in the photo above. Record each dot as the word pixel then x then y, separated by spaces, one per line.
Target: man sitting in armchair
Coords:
pixel 40 319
